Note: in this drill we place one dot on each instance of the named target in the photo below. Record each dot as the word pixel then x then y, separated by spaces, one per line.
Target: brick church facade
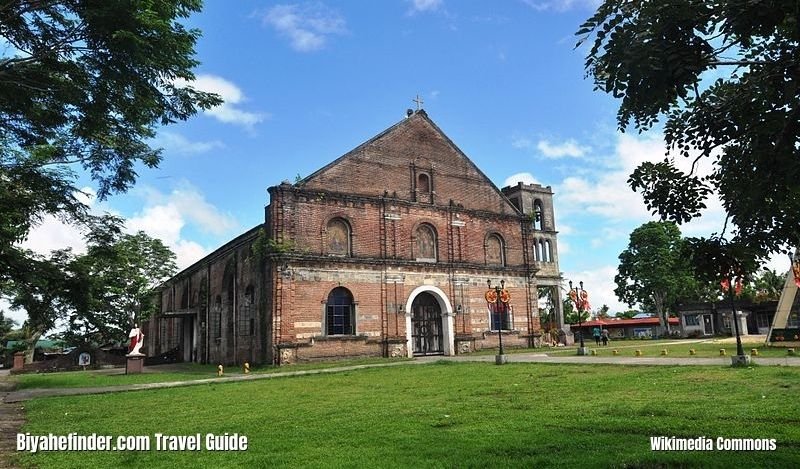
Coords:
pixel 385 251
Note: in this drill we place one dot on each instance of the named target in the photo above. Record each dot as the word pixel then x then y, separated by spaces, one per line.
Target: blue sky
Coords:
pixel 304 82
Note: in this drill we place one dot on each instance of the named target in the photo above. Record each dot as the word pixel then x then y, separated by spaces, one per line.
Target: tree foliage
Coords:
pixel 84 86
pixel 652 270
pixel 99 294
pixel 49 289
pixel 6 326
pixel 653 55
pixel 121 271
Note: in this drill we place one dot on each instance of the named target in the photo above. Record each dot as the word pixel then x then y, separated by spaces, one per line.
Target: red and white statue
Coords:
pixel 137 339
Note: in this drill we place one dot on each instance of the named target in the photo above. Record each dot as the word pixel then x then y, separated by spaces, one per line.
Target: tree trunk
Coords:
pixel 30 345
pixel 663 317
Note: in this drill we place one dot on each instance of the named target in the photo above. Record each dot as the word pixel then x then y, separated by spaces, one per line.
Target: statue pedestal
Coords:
pixel 740 360
pixel 134 365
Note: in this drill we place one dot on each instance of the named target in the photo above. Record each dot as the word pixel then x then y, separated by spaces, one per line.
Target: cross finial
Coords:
pixel 419 102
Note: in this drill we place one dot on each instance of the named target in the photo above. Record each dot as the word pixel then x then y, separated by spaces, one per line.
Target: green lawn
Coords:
pixel 653 348
pixel 162 374
pixel 447 414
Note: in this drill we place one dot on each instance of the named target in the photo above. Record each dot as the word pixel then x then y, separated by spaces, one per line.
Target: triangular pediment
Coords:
pixel 412 160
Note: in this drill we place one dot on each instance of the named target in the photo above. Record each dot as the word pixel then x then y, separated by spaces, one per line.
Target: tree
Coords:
pixel 6 326
pixel 121 271
pixel 652 270
pixel 99 293
pixel 766 286
pixel 83 86
pixel 547 314
pixel 603 312
pixel 49 289
pixel 746 124
pixel 629 314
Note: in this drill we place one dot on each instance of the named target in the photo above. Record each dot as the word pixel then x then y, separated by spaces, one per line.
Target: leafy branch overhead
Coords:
pixel 656 57
pixel 84 85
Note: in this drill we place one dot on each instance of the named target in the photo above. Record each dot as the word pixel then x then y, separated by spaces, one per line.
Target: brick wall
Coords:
pixel 393 160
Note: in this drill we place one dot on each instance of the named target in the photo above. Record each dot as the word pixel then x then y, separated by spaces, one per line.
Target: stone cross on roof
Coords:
pixel 419 102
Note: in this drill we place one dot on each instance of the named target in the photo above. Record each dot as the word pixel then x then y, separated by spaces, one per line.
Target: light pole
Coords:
pixel 579 296
pixel 498 297
pixel 740 358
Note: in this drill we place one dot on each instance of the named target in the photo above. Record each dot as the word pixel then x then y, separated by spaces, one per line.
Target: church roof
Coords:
pixel 389 161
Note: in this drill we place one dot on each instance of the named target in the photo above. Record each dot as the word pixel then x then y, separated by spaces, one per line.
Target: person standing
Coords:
pixel 596 335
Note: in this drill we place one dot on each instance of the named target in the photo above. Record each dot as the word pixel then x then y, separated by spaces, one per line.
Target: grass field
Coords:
pixel 447 415
pixel 163 374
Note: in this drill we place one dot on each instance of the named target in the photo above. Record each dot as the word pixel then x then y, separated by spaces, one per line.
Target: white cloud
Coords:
pixel 18 316
pixel 565 230
pixel 779 262
pixel 605 191
pixel 164 216
pixel 525 178
pixel 232 96
pixel 52 234
pixel 560 150
pixel 562 5
pixel 521 142
pixel 177 143
pixel 307 26
pixel 421 6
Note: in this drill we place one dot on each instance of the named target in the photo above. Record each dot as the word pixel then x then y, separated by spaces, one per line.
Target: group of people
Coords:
pixel 600 335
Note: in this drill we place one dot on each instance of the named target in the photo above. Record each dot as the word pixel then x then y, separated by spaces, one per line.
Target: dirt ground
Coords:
pixel 12 416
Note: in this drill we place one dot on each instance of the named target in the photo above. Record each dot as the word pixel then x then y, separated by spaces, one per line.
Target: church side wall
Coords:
pixel 215 311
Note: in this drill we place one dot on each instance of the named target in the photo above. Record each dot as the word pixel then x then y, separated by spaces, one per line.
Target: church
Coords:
pixel 387 251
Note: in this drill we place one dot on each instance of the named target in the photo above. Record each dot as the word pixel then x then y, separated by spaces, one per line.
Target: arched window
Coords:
pixel 500 316
pixel 538 215
pixel 425 243
pixel 549 248
pixel 338 237
pixel 340 313
pixel 246 319
pixel 185 298
pixel 494 250
pixel 216 318
pixel 544 257
pixel 423 183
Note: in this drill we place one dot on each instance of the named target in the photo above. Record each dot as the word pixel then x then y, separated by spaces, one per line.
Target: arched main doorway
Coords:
pixel 426 325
